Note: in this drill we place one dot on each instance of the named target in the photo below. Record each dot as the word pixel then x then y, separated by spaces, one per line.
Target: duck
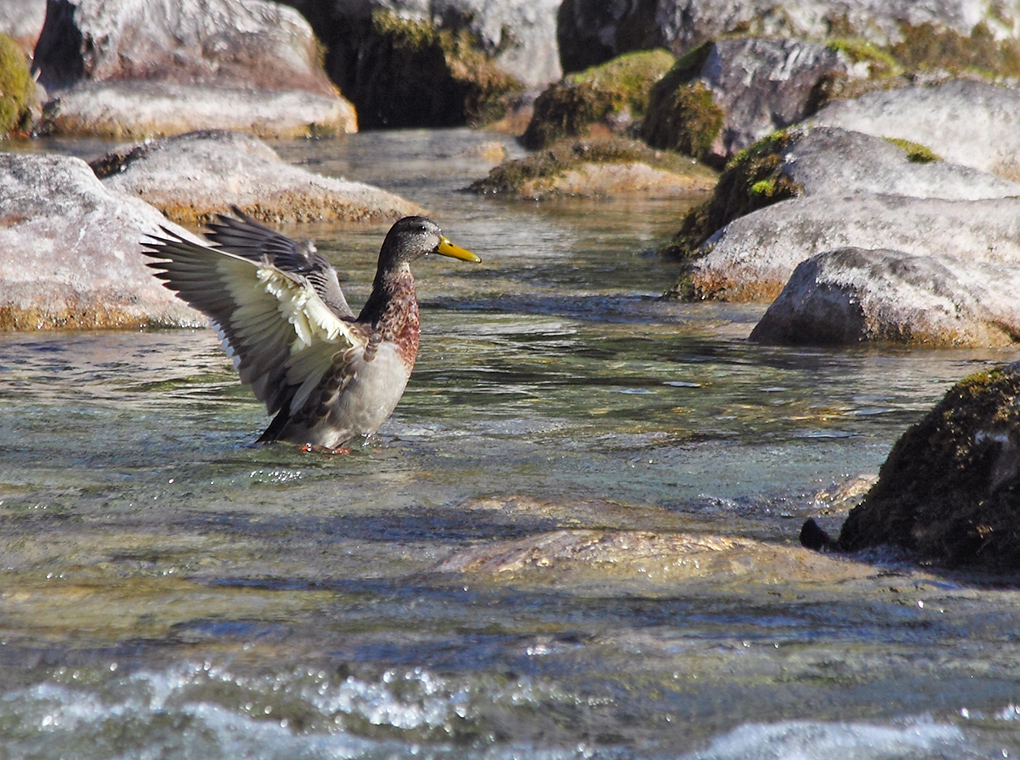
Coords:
pixel 326 376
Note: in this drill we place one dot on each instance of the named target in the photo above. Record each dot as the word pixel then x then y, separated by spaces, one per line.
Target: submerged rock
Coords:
pixel 593 168
pixel 151 68
pixel 950 487
pixel 852 295
pixel 72 251
pixel 193 177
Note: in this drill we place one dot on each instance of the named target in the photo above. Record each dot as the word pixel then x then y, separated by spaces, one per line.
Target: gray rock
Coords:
pixel 22 20
pixel 140 68
pixel 970 123
pixel 592 31
pixel 136 109
pixel 754 256
pixel 72 251
pixel 852 295
pixel 765 84
pixel 193 177
pixel 835 162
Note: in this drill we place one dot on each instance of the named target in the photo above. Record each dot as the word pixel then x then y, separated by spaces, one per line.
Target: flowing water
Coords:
pixel 576 538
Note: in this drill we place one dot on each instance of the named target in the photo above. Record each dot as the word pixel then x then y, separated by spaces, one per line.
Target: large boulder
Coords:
pixel 71 251
pixel 756 85
pixel 949 490
pixel 22 20
pixel 592 31
pixel 853 295
pixel 193 177
pixel 435 62
pixel 966 122
pixel 216 61
pixel 753 257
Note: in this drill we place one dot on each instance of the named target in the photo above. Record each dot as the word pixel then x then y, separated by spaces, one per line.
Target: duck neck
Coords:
pixel 392 310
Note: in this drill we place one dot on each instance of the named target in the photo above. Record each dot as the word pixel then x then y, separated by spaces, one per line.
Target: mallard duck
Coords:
pixel 328 377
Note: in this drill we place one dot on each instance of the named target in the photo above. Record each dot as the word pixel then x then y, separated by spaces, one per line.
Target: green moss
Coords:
pixel 916 153
pixel 950 486
pixel 880 62
pixel 928 47
pixel 569 107
pixel 752 180
pixel 511 176
pixel 16 86
pixel 682 114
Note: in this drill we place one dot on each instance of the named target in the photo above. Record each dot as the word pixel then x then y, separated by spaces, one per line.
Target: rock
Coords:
pixel 22 20
pixel 596 167
pixel 136 110
pixel 415 63
pixel 986 138
pixel 757 85
pixel 125 69
pixel 816 161
pixel 17 90
pixel 949 489
pixel 612 95
pixel 852 295
pixel 579 557
pixel 753 257
pixel 193 177
pixel 73 251
pixel 592 31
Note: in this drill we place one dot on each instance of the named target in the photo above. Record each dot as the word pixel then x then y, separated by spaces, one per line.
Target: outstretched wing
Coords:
pixel 246 237
pixel 273 323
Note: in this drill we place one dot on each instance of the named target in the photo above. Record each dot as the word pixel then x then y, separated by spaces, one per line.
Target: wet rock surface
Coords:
pixel 193 177
pixel 72 251
pixel 949 489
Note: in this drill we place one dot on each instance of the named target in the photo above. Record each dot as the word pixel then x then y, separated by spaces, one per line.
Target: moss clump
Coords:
pixel 511 176
pixel 928 47
pixel 951 485
pixel 617 88
pixel 752 180
pixel 405 72
pixel 682 114
pixel 880 62
pixel 916 153
pixel 16 86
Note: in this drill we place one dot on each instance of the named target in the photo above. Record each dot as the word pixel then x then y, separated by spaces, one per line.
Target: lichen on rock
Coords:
pixel 16 86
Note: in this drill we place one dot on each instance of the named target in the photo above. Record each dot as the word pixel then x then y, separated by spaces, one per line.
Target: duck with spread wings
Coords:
pixel 328 377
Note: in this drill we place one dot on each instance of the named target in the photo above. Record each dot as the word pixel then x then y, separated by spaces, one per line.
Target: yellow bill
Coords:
pixel 446 248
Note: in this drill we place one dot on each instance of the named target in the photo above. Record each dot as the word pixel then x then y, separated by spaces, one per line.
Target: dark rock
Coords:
pixel 951 485
pixel 852 295
pixel 756 85
pixel 73 251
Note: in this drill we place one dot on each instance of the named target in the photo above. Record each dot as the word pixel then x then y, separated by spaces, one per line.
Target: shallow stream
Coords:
pixel 576 538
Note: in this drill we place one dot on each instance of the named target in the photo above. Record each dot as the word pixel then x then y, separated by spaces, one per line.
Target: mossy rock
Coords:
pixel 753 179
pixel 927 47
pixel 511 177
pixel 682 114
pixel 402 72
pixel 16 86
pixel 950 489
pixel 616 90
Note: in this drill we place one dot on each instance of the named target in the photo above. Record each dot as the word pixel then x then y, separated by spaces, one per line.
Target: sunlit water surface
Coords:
pixel 170 590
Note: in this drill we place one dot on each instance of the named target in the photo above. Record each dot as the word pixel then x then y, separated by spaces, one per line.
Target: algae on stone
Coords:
pixel 614 91
pixel 16 86
pixel 951 485
pixel 753 179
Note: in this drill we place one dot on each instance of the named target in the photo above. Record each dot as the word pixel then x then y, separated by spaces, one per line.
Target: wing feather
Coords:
pixel 274 324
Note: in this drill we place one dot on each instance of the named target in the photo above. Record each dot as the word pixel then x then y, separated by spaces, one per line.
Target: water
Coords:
pixel 576 538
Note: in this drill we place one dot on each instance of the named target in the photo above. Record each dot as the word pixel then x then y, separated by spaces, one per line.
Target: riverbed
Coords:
pixel 575 538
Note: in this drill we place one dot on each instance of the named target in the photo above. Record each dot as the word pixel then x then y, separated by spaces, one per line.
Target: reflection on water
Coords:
pixel 168 589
